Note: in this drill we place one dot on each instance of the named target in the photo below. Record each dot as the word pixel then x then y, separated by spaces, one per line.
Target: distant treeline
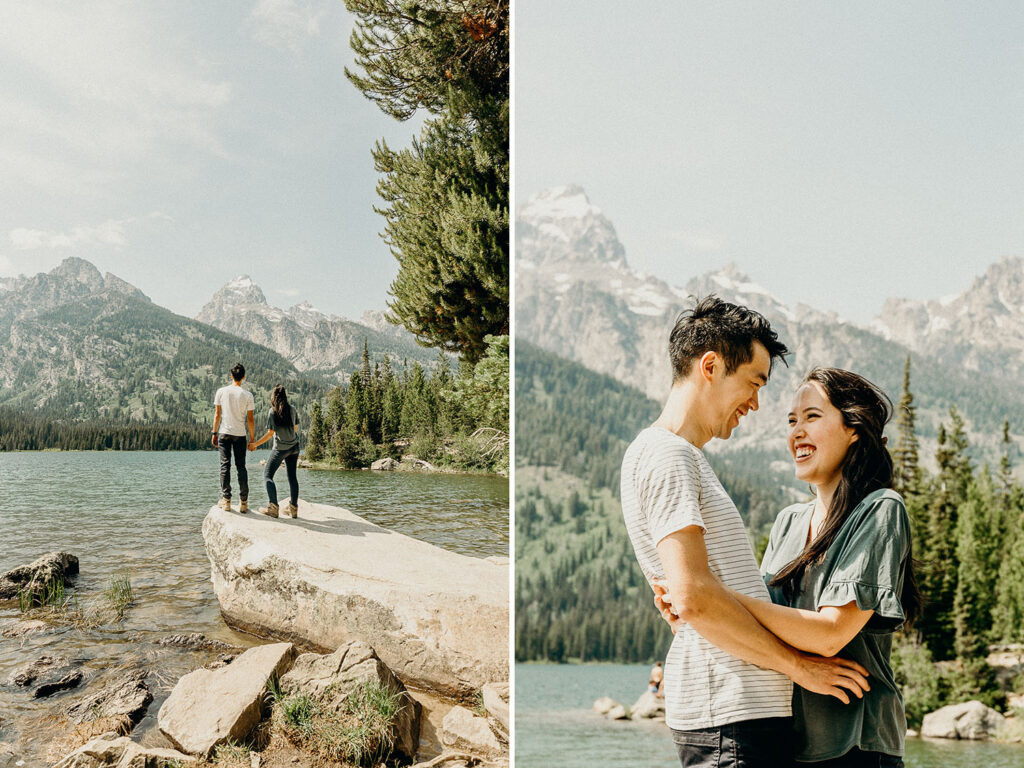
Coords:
pixel 457 419
pixel 19 432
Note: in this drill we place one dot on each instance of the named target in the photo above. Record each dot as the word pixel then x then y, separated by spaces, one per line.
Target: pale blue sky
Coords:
pixel 180 144
pixel 839 153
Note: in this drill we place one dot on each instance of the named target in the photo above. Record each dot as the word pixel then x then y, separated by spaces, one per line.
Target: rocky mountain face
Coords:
pixel 981 329
pixel 311 340
pixel 78 345
pixel 577 296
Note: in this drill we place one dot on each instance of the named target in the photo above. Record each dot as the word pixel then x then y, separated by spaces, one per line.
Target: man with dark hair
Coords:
pixel 234 427
pixel 727 682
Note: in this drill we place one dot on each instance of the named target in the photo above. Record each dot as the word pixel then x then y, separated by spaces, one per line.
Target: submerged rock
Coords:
pixel 111 750
pixel 211 707
pixel 126 698
pixel 48 675
pixel 971 720
pixel 331 678
pixel 195 641
pixel 438 619
pixel 39 575
pixel 25 628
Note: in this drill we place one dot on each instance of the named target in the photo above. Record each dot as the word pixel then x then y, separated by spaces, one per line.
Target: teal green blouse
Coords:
pixel 866 564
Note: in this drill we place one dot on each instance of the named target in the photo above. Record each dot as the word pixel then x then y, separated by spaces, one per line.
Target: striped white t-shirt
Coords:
pixel 667 485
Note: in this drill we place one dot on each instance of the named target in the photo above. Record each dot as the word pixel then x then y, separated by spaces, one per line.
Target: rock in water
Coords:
pixel 210 707
pixel 438 619
pixel 648 706
pixel 111 750
pixel 336 675
pixel 618 712
pixel 49 674
pixel 604 705
pixel 971 720
pixel 387 464
pixel 496 703
pixel 126 698
pixel 37 576
pixel 464 731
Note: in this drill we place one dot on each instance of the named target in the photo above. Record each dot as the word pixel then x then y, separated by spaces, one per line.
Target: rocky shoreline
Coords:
pixel 407 645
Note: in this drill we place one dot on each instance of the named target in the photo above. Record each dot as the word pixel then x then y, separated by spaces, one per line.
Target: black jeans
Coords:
pixel 763 743
pixel 228 445
pixel 857 759
pixel 290 457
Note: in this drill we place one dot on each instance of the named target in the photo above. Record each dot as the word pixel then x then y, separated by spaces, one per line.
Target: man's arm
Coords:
pixel 250 424
pixel 703 602
pixel 216 423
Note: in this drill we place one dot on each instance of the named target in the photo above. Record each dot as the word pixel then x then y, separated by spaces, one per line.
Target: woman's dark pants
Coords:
pixel 290 457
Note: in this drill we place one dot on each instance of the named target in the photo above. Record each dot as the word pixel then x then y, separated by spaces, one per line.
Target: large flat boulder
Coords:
pixel 970 720
pixel 438 619
pixel 213 706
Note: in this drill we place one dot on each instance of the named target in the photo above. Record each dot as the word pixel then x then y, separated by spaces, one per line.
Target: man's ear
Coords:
pixel 707 364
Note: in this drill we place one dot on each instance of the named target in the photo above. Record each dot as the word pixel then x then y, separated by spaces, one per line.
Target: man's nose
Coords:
pixel 753 401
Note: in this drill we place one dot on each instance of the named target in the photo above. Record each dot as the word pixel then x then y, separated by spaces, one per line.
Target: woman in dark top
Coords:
pixel 283 426
pixel 839 569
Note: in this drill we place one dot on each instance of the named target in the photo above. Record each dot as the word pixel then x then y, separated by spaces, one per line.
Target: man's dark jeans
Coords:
pixel 857 759
pixel 763 743
pixel 290 457
pixel 228 445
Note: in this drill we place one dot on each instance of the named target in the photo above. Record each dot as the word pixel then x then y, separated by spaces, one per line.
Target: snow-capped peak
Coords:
pixel 565 202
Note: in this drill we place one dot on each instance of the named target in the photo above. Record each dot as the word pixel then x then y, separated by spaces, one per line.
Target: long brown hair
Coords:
pixel 866 467
pixel 279 404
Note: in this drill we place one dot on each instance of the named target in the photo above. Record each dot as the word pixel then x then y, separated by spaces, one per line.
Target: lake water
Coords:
pixel 556 726
pixel 142 513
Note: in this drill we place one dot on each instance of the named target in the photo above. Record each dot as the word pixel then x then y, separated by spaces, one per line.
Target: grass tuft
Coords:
pixel 359 733
pixel 119 593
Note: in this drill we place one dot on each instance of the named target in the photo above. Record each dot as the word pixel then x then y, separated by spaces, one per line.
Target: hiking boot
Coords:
pixel 291 510
pixel 243 507
pixel 270 510
pixel 224 504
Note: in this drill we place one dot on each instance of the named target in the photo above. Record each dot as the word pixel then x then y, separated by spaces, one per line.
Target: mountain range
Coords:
pixel 79 345
pixel 312 341
pixel 578 297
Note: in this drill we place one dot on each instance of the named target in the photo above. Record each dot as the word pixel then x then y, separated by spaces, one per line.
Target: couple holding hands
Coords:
pixel 234 430
pixel 790 663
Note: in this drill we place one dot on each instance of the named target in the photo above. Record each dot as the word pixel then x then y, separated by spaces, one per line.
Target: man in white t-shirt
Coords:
pixel 234 427
pixel 727 683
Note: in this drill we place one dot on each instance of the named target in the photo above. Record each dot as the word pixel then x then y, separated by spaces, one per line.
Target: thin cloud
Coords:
pixel 703 242
pixel 290 292
pixel 110 232
pixel 286 24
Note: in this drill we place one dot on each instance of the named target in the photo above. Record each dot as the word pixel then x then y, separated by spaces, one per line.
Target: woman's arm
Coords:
pixel 262 440
pixel 825 632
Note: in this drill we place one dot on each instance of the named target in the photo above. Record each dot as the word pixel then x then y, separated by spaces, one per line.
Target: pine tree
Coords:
pixel 906 470
pixel 977 555
pixel 417 411
pixel 447 203
pixel 1008 611
pixel 940 574
pixel 316 437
